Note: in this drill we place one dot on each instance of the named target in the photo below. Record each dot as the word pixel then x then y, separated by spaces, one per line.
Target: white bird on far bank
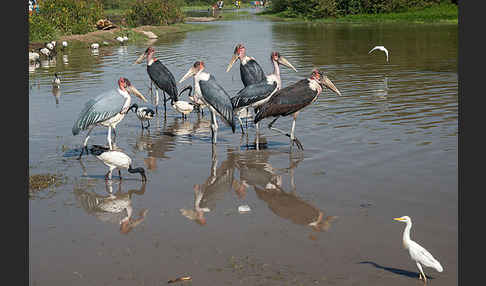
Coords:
pixel 119 39
pixel 95 46
pixel 381 48
pixel 418 254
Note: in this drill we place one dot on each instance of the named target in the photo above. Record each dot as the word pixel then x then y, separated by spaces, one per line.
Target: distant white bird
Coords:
pixel 64 45
pixel 418 254
pixel 95 46
pixel 116 159
pixel 45 51
pixel 54 43
pixel 120 39
pixel 34 57
pixel 125 38
pixel 381 48
pixel 144 113
pixel 50 46
pixel 56 82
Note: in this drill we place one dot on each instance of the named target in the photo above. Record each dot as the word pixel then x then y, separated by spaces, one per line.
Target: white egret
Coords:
pixel 119 39
pixel 95 46
pixel 418 254
pixel 381 48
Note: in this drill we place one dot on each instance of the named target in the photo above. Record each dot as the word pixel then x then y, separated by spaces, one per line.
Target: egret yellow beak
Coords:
pixel 191 72
pixel 233 60
pixel 398 219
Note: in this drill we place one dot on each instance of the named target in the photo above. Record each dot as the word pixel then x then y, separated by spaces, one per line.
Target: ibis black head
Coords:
pixel 133 106
pixel 139 170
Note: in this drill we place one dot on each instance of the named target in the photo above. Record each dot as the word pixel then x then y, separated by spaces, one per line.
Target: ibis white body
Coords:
pixel 183 107
pixel 95 46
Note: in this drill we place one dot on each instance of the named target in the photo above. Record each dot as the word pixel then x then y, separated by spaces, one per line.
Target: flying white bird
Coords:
pixel 381 48
pixel 418 254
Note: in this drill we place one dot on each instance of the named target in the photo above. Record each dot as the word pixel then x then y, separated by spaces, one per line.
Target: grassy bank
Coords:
pixel 441 13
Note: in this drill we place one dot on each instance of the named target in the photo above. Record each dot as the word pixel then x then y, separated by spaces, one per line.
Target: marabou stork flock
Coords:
pixel 262 92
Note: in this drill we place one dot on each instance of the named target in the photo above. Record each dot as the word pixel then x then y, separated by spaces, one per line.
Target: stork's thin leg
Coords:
pixel 421 272
pixel 108 175
pixel 148 124
pixel 241 125
pixel 109 138
pixel 119 174
pixel 214 127
pixel 85 146
pixel 156 99
pixel 114 135
pixel 292 136
pixel 299 145
pixel 165 102
pixel 247 118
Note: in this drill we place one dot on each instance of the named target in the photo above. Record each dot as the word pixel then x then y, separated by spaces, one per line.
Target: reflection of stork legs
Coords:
pixel 293 139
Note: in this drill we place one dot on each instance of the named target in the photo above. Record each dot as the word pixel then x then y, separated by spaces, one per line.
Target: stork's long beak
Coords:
pixel 233 60
pixel 286 63
pixel 328 83
pixel 137 93
pixel 191 72
pixel 140 58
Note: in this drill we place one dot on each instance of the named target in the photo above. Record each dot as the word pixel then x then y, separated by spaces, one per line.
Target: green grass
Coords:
pixel 442 13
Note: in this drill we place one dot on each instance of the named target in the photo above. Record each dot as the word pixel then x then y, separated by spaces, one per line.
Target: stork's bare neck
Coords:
pixel 150 57
pixel 245 59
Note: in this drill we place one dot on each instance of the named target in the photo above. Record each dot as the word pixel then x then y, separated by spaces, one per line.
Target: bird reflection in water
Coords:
pixel 255 170
pixel 114 208
pixel 56 92
pixel 218 183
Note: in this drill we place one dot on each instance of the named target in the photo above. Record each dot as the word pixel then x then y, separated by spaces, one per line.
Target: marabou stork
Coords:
pixel 250 71
pixel 160 75
pixel 56 82
pixel 292 99
pixel 213 94
pixel 116 159
pixel 144 113
pixel 256 94
pixel 107 109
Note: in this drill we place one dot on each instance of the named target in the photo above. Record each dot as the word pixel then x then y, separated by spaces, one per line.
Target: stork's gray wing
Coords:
pixel 99 109
pixel 287 100
pixel 253 93
pixel 218 98
pixel 251 73
pixel 163 78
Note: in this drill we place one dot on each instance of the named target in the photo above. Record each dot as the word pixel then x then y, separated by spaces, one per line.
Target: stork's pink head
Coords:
pixel 324 81
pixel 240 50
pixel 195 69
pixel 199 65
pixel 149 50
pixel 274 56
pixel 123 83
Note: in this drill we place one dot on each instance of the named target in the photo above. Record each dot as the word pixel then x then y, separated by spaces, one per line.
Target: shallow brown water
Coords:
pixel 371 155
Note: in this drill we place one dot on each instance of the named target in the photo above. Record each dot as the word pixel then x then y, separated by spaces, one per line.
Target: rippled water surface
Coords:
pixel 386 148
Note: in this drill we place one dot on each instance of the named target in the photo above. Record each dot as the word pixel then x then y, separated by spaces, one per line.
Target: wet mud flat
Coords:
pixel 323 216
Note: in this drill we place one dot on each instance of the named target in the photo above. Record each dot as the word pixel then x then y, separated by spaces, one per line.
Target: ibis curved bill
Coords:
pixel 107 109
pixel 381 48
pixel 292 99
pixel 418 254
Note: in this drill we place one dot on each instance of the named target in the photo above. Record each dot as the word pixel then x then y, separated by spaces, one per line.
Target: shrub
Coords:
pixel 154 12
pixel 41 29
pixel 68 16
